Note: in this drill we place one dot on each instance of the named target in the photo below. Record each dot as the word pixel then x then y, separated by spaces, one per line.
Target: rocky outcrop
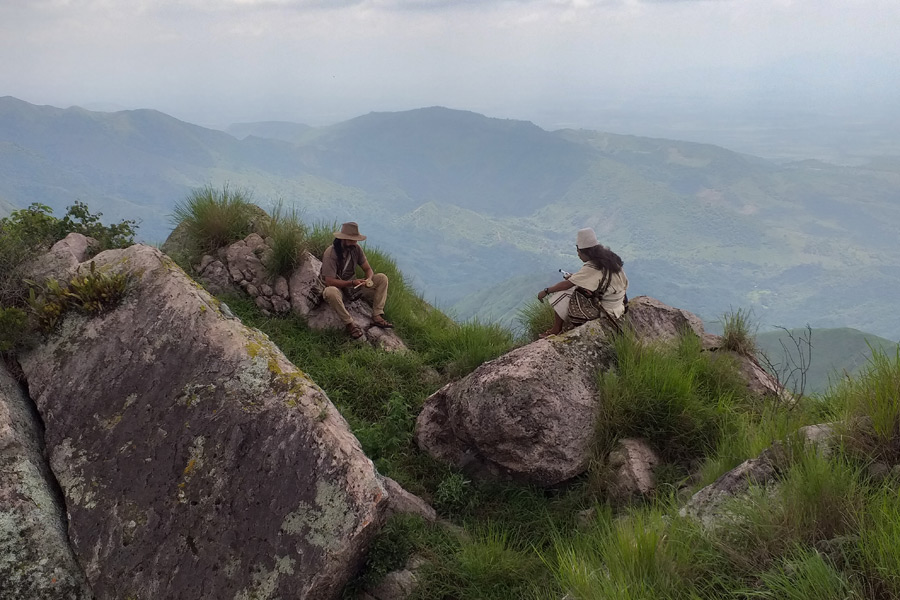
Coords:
pixel 709 504
pixel 63 258
pixel 195 460
pixel 241 267
pixel 36 561
pixel 528 415
pixel 396 585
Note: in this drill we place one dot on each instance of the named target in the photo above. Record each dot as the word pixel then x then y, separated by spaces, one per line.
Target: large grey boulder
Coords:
pixel 195 460
pixel 528 415
pixel 36 561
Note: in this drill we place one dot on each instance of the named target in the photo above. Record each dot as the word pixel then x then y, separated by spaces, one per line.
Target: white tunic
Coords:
pixel 588 277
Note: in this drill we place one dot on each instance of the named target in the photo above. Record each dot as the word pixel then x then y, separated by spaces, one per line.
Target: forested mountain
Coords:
pixel 481 212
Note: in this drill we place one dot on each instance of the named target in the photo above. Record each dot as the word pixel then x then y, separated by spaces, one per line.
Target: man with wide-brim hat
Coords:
pixel 339 275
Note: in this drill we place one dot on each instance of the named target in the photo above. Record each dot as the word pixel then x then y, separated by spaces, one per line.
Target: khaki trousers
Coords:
pixel 375 295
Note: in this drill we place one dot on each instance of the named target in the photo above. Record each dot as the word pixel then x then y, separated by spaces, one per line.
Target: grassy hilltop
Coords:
pixel 828 530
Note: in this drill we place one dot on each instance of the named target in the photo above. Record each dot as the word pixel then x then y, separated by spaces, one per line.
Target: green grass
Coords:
pixel 870 406
pixel 738 333
pixel 678 398
pixel 213 218
pixel 535 317
pixel 289 240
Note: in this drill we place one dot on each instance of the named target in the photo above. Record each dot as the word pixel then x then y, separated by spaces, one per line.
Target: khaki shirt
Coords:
pixel 353 256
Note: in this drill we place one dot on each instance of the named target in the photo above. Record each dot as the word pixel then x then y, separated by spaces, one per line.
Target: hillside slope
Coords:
pixel 466 202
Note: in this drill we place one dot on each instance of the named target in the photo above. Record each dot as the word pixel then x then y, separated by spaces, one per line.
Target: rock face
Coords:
pixel 630 470
pixel 707 505
pixel 528 415
pixel 241 266
pixel 195 460
pixel 36 561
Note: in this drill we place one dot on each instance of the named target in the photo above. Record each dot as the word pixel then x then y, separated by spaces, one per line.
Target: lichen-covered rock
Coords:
pixel 36 561
pixel 215 276
pixel 195 460
pixel 63 259
pixel 528 415
pixel 653 321
pixel 305 294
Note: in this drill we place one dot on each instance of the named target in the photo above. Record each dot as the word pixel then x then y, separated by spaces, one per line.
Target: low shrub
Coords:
pixel 213 218
pixel 15 330
pixel 30 231
pixel 92 292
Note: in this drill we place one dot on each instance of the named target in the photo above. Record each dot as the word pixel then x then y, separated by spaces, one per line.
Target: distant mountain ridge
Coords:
pixel 469 203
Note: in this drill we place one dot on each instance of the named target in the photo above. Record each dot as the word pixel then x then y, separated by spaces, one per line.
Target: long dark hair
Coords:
pixel 603 258
pixel 338 249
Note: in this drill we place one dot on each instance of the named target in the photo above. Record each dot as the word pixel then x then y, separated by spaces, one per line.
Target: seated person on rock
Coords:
pixel 601 275
pixel 339 275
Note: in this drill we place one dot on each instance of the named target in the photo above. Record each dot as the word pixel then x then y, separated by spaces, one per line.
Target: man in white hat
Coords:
pixel 602 275
pixel 339 274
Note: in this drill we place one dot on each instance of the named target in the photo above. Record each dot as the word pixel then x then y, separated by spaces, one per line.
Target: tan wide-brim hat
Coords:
pixel 349 231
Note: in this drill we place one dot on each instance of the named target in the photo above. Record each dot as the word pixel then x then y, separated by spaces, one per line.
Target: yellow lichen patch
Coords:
pixel 190 467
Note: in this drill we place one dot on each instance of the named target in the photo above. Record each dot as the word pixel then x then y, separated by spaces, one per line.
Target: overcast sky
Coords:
pixel 557 62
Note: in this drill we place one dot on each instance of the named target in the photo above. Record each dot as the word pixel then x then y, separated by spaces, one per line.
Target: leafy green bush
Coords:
pixel 213 218
pixel 32 230
pixel 14 329
pixel 289 240
pixel 737 335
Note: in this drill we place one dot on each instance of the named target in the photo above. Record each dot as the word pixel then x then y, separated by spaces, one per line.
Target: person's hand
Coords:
pixel 358 282
pixel 542 294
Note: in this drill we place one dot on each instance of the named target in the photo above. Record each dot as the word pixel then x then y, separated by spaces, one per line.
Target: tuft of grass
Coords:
pixel 805 574
pixel 738 333
pixel 879 530
pixel 320 236
pixel 870 407
pixel 215 217
pixel 643 555
pixel 678 398
pixel 534 318
pixel 288 236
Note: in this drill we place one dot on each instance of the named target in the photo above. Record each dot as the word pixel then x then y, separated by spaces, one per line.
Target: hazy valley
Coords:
pixel 480 212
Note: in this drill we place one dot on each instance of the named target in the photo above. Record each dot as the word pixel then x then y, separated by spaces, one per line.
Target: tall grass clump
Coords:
pixel 738 334
pixel 869 406
pixel 535 318
pixel 816 500
pixel 678 398
pixel 644 555
pixel 879 531
pixel 320 236
pixel 213 217
pixel 289 239
pixel 805 574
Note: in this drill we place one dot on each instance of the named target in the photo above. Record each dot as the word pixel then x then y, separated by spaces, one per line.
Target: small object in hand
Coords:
pixel 370 283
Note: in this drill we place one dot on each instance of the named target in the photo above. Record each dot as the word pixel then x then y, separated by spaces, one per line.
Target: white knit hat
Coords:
pixel 586 238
